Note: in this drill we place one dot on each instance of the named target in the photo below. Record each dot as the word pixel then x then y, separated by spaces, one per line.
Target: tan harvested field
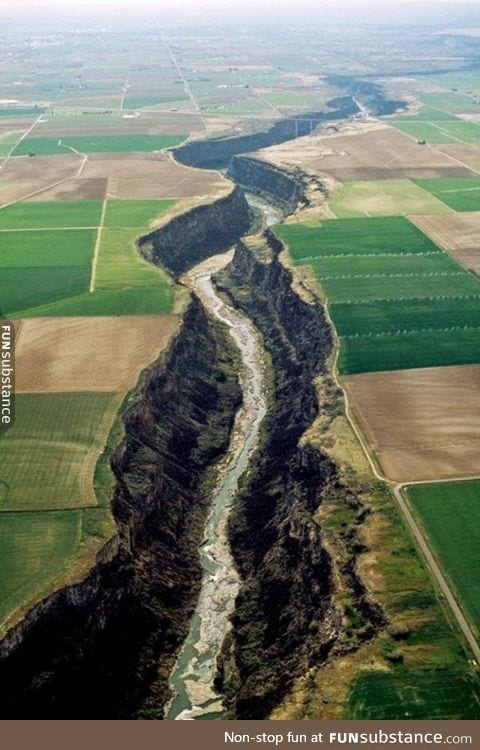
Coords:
pixel 371 152
pixel 142 176
pixel 423 424
pixel 468 153
pixel 151 123
pixel 457 233
pixel 23 175
pixel 76 189
pixel 16 123
pixel 104 354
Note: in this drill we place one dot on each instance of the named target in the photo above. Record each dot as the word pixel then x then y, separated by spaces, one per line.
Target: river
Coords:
pixel 192 678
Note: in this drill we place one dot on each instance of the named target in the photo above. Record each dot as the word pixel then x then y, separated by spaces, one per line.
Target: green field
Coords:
pixel 365 265
pixel 97 144
pixel 384 198
pixel 355 237
pixel 51 215
pixel 410 306
pixel 426 114
pixel 8 141
pixel 413 694
pixel 121 265
pixel 450 100
pixel 461 194
pixel 28 287
pixel 21 111
pixel 140 300
pixel 128 213
pixel 452 131
pixel 437 348
pixel 450 516
pixel 398 286
pixel 388 316
pixel 47 453
pixel 35 549
pixel 40 249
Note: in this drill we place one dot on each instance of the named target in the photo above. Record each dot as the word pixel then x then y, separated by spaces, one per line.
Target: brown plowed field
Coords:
pixel 25 174
pixel 423 424
pixel 370 154
pixel 468 153
pixel 457 233
pixel 103 354
pixel 76 189
pixel 175 123
pixel 143 176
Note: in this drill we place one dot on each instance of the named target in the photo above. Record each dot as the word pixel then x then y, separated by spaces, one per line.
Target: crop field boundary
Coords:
pixel 396 490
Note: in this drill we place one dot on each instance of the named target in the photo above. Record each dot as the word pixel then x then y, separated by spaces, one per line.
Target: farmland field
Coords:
pixel 140 300
pixel 410 306
pixel 43 249
pixel 367 265
pixel 398 286
pixel 432 348
pixel 391 316
pixel 424 424
pixel 459 194
pixel 450 100
pixel 97 144
pixel 121 265
pixel 51 215
pixel 131 213
pixel 384 198
pixel 120 347
pixel 456 233
pixel 30 286
pixel 354 237
pixel 451 131
pixel 49 455
pixel 35 549
pixel 450 517
pixel 403 694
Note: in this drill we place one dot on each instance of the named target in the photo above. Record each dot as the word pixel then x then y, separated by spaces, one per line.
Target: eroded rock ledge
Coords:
pixel 285 619
pixel 104 648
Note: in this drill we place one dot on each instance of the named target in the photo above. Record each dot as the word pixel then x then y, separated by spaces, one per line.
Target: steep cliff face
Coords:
pixel 217 152
pixel 199 233
pixel 285 188
pixel 285 618
pixel 104 648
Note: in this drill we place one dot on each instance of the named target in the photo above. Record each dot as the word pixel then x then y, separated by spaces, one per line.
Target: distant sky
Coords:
pixel 453 12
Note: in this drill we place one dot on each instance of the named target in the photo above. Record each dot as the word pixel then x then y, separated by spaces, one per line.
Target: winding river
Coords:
pixel 192 678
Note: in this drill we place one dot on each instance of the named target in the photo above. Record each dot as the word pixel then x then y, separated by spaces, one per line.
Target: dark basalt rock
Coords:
pixel 198 234
pixel 216 153
pixel 104 648
pixel 285 620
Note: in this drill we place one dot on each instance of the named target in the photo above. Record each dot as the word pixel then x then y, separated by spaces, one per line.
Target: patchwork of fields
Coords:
pixel 72 377
pixel 69 262
pixel 397 300
pixel 48 269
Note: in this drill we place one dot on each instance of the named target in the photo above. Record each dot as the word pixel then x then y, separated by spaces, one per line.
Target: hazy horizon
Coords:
pixel 368 11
